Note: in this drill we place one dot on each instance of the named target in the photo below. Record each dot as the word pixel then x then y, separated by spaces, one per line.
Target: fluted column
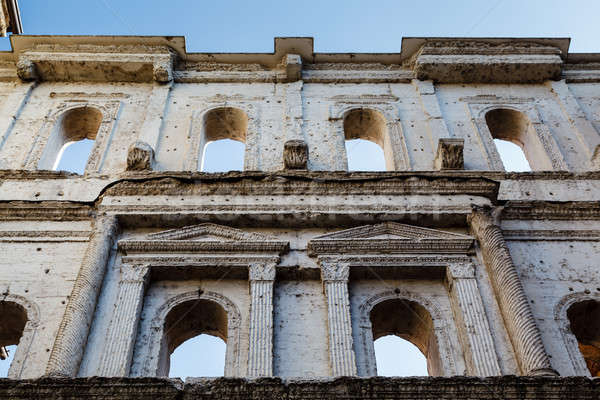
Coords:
pixel 260 352
pixel 518 318
pixel 335 285
pixel 479 345
pixel 122 330
pixel 71 338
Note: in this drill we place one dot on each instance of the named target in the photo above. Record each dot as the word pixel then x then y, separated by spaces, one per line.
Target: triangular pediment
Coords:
pixel 205 237
pixel 390 237
pixel 209 232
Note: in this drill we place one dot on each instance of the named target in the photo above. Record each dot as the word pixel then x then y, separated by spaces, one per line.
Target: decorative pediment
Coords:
pixel 390 237
pixel 205 237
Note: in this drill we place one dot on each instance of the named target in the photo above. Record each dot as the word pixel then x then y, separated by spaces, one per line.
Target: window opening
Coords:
pixel 399 357
pixel 367 141
pixel 224 140
pixel 512 156
pixel 71 142
pixel 191 322
pixel 408 321
pixel 585 325
pixel 14 318
pixel 516 141
pixel 223 155
pixel 186 358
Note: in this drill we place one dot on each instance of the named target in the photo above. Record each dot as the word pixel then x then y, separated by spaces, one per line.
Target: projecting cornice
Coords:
pixel 165 58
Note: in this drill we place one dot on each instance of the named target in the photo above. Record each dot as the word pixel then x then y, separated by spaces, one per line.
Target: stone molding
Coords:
pixel 439 326
pixel 554 234
pixel 152 343
pixel 73 331
pixel 109 108
pixel 518 317
pixel 376 388
pixel 44 210
pixel 478 61
pixel 100 63
pixel 571 343
pixel 19 363
pixel 390 237
pixel 545 210
pixel 218 238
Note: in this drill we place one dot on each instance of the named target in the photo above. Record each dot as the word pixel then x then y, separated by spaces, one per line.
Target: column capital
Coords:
pixel 262 272
pixel 334 271
pixel 461 270
pixel 484 216
pixel 135 273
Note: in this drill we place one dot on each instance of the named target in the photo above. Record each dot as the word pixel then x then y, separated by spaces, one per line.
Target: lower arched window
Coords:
pixel 187 325
pixel 584 318
pixel 13 319
pixel 394 323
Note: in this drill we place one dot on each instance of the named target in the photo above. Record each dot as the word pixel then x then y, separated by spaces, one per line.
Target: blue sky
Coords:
pixel 344 26
pixel 337 26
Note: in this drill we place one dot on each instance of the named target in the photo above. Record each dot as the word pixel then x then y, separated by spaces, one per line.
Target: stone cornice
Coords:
pixel 44 210
pixel 92 58
pixel 541 210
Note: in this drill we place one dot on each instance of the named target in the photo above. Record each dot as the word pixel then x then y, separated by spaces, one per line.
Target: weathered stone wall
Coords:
pixel 298 257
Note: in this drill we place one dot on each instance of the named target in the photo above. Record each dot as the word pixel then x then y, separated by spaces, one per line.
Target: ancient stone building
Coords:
pixel 296 263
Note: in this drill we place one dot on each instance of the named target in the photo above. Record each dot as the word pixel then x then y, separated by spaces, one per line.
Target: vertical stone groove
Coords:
pixel 120 338
pixel 341 352
pixel 72 335
pixel 518 317
pixel 260 351
pixel 481 345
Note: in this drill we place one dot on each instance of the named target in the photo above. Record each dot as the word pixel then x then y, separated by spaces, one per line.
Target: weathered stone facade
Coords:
pixel 296 263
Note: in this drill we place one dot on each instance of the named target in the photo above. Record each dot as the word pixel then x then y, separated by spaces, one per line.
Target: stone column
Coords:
pixel 260 351
pixel 335 285
pixel 479 345
pixel 516 312
pixel 72 335
pixel 122 330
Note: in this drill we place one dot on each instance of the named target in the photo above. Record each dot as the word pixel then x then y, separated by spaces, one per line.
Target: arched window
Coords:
pixel 584 318
pixel 390 349
pixel 13 319
pixel 411 322
pixel 224 140
pixel 186 325
pixel 515 127
pixel 70 143
pixel 368 145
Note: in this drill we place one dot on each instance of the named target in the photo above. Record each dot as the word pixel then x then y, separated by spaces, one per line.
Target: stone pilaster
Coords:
pixel 121 334
pixel 479 345
pixel 260 352
pixel 335 285
pixel 75 325
pixel 518 317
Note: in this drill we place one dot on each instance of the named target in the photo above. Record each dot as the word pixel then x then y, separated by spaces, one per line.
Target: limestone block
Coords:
pixel 449 154
pixel 295 154
pixel 140 156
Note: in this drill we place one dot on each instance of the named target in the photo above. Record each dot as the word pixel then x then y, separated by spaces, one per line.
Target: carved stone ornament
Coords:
pixel 205 237
pixel 262 272
pixel 295 154
pixel 449 154
pixel 390 237
pixel 140 156
pixel 333 271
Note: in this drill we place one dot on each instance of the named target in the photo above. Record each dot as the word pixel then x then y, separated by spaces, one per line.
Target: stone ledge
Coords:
pixel 507 387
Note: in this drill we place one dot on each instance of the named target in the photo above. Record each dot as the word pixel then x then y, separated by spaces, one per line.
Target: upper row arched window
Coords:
pixel 368 140
pixel 71 141
pixel 225 131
